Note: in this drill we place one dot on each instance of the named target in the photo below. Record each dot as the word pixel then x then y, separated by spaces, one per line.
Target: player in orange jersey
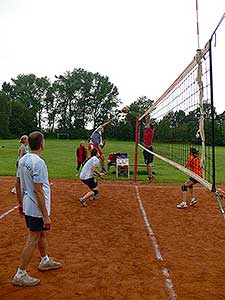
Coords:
pixel 194 164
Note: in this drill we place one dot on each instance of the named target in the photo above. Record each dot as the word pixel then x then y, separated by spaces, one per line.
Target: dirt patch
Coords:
pixel 106 249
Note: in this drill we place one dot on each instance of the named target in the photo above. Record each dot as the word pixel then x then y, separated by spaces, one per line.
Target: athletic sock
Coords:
pixel 20 273
pixel 44 259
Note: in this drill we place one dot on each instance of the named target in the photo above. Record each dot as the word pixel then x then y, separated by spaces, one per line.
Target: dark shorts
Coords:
pixel 193 180
pixel 35 224
pixel 91 183
pixel 148 157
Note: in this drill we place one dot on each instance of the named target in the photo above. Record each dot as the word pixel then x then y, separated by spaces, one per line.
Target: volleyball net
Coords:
pixel 183 117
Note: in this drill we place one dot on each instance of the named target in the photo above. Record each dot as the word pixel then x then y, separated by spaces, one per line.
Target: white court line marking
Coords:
pixel 8 212
pixel 131 185
pixel 165 272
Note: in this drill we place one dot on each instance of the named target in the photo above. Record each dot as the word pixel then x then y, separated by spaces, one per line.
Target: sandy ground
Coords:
pixel 109 253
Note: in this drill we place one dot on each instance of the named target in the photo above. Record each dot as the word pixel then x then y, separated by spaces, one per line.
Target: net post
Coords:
pixel 136 148
pixel 212 116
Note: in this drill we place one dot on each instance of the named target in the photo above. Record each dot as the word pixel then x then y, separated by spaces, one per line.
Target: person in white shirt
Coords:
pixel 33 193
pixel 87 177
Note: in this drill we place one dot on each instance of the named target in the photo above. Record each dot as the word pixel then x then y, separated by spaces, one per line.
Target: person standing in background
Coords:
pixel 148 157
pixel 81 153
pixel 22 150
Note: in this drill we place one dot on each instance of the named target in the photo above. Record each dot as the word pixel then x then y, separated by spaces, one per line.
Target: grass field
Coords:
pixel 60 158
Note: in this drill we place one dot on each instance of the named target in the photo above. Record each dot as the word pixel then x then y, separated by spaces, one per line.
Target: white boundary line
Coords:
pixel 8 212
pixel 165 272
pixel 132 185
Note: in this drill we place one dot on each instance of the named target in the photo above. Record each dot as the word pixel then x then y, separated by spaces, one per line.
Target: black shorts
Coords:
pixel 90 182
pixel 193 180
pixel 148 156
pixel 35 224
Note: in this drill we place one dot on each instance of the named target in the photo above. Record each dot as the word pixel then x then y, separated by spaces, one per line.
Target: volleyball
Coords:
pixel 125 110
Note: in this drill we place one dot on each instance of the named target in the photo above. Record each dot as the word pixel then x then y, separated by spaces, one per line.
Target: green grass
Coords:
pixel 60 158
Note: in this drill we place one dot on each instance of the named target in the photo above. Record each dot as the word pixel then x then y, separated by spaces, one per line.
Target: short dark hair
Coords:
pixel 35 138
pixel 94 152
pixel 194 151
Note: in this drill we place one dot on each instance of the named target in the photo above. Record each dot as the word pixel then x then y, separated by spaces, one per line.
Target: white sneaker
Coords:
pixel 83 202
pixel 93 198
pixel 182 205
pixel 193 202
pixel 50 265
pixel 25 280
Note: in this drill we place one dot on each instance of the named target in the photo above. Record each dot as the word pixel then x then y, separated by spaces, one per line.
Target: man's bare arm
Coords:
pixel 106 123
pixel 19 196
pixel 96 172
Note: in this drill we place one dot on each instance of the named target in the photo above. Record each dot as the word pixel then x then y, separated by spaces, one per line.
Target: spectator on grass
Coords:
pixel 87 177
pixel 112 159
pixel 97 142
pixel 22 150
pixel 148 157
pixel 33 192
pixel 194 163
pixel 81 156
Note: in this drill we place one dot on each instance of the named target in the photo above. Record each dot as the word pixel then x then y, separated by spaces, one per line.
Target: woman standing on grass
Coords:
pixel 22 150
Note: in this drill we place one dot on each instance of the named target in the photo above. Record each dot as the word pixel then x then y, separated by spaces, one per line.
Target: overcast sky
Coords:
pixel 141 45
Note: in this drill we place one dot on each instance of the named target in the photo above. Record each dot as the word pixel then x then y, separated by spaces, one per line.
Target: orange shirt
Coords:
pixel 194 164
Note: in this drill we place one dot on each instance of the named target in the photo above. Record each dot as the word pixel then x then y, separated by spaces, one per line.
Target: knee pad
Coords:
pixel 95 192
pixel 184 187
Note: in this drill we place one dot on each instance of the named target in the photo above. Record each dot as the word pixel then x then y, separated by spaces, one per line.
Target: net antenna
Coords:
pixel 201 131
pixel 197 23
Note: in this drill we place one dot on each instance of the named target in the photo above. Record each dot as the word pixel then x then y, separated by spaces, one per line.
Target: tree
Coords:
pixel 141 105
pixel 20 119
pixel 126 125
pixel 51 109
pixel 84 98
pixel 4 115
pixel 31 91
pixel 103 99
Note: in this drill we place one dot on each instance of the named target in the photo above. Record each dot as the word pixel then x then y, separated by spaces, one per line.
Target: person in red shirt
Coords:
pixel 81 156
pixel 148 157
pixel 111 160
pixel 194 164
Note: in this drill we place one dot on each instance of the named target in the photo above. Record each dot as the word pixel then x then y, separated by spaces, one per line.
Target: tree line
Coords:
pixel 180 127
pixel 73 102
pixel 78 100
